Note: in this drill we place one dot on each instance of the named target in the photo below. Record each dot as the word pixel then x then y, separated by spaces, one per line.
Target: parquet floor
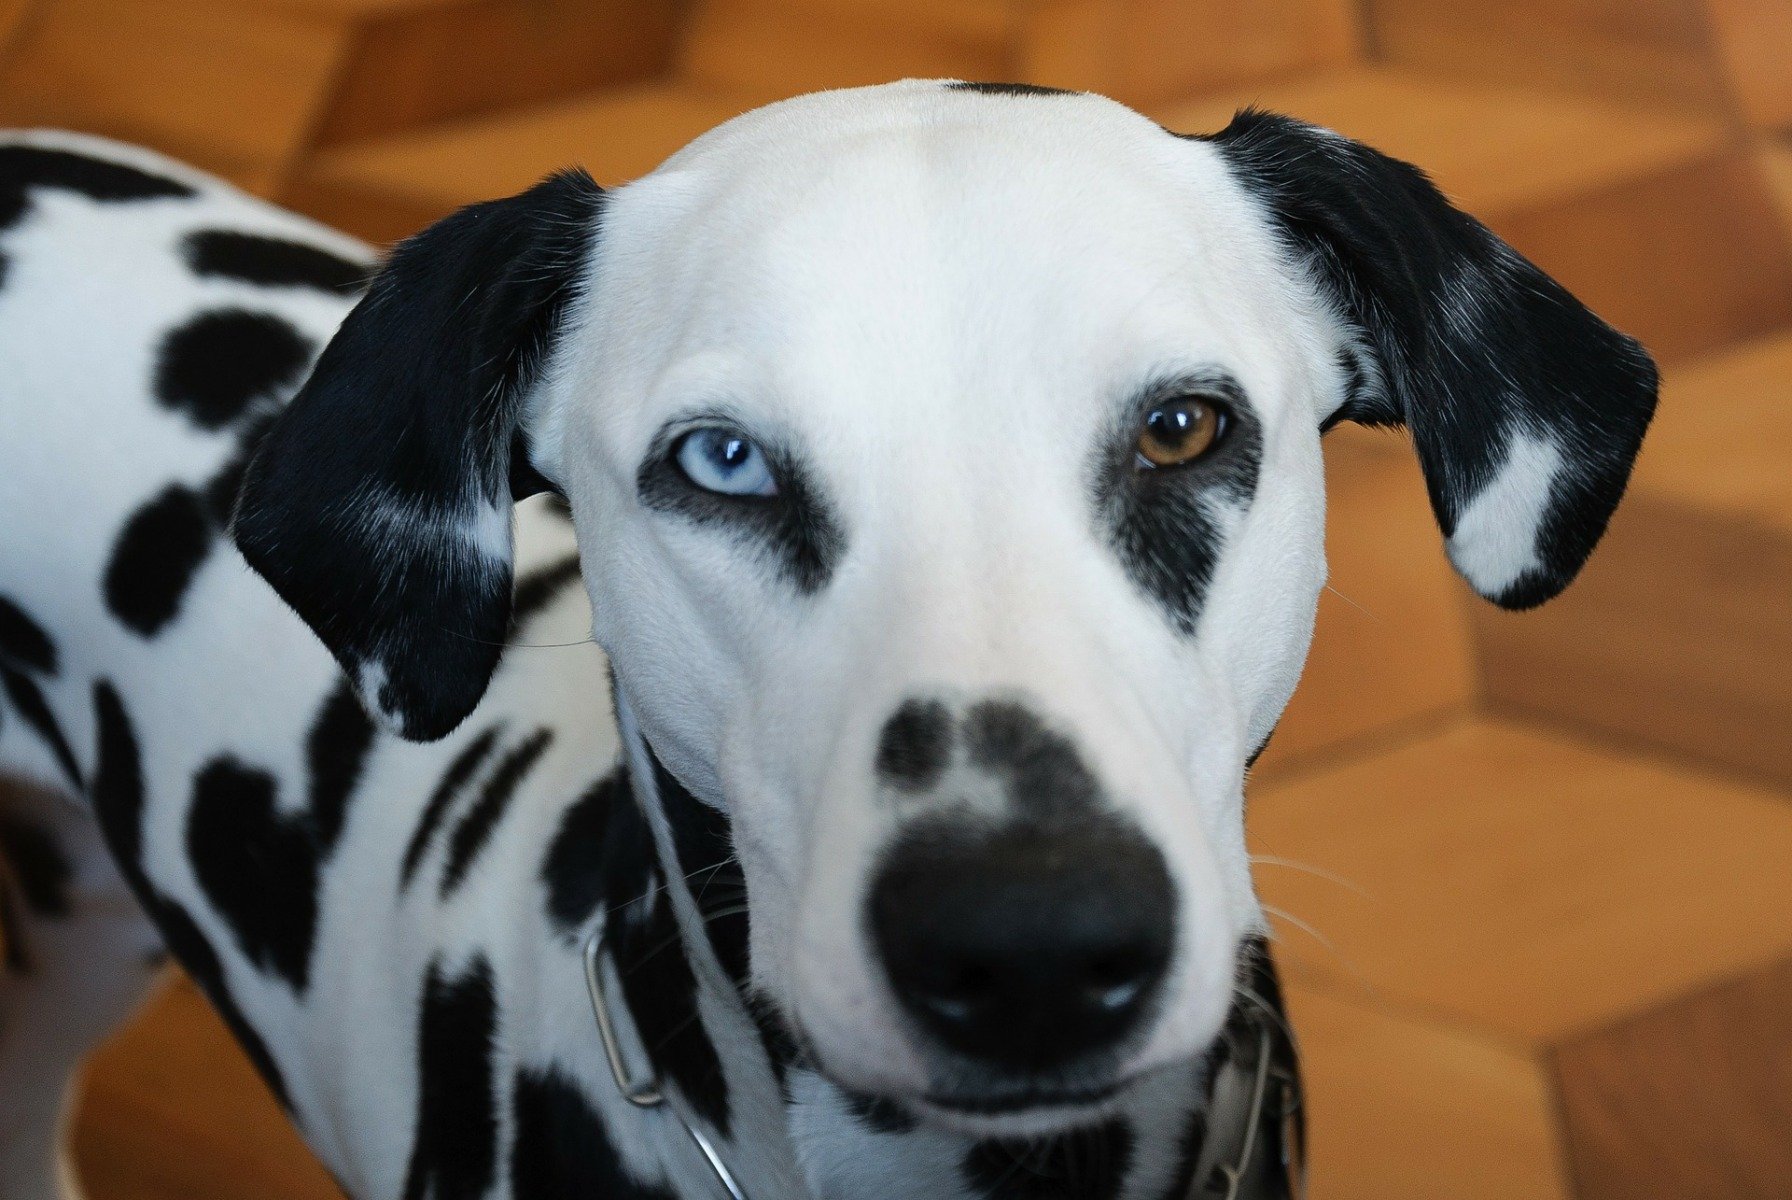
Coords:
pixel 1536 869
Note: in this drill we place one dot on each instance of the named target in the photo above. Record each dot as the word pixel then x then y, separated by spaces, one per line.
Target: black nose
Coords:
pixel 1025 949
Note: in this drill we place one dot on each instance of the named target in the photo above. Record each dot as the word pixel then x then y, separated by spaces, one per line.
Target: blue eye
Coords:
pixel 720 460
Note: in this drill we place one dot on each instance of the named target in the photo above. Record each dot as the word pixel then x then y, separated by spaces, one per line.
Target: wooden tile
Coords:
pixel 422 176
pixel 1398 1109
pixel 1755 40
pixel 1392 644
pixel 1492 149
pixel 229 89
pixel 1523 883
pixel 1687 1102
pixel 1117 47
pixel 409 64
pixel 769 49
pixel 1656 50
pixel 173 1111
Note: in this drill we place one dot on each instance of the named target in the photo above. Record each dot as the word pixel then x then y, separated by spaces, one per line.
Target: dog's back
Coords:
pixel 152 321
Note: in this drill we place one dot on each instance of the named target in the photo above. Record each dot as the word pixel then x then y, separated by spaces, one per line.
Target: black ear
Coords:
pixel 379 505
pixel 1526 409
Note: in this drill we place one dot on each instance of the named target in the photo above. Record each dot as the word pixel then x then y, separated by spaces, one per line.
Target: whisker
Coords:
pixel 1346 599
pixel 1356 971
pixel 1270 860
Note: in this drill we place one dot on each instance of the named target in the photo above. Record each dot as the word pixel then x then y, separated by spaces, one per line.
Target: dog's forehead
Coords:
pixel 936 238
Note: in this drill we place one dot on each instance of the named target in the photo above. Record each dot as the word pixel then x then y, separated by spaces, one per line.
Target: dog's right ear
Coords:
pixel 380 504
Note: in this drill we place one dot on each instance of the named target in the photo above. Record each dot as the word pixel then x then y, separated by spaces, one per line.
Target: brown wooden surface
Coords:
pixel 1521 883
pixel 1401 1109
pixel 1691 1101
pixel 1149 51
pixel 1392 647
pixel 1657 50
pixel 1755 40
pixel 173 1111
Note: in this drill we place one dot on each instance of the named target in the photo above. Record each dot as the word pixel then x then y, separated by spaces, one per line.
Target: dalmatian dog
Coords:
pixel 828 780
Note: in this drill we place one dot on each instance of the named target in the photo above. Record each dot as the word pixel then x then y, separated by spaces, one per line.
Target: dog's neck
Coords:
pixel 676 944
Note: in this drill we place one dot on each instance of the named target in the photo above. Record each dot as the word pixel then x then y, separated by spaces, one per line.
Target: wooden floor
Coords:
pixel 1533 873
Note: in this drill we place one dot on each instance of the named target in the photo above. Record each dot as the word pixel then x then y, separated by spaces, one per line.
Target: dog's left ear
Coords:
pixel 380 504
pixel 1526 409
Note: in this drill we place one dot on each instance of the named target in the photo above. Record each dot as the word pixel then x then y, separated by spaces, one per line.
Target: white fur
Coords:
pixel 1495 542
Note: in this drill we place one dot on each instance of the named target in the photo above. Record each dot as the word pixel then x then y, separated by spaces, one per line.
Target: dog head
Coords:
pixel 946 466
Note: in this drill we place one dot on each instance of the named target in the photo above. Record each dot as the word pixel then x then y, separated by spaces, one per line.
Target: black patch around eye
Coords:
pixel 25 167
pixel 272 262
pixel 915 746
pixel 1167 525
pixel 455 1151
pixel 221 362
pixel 39 865
pixel 1046 776
pixel 1090 1164
pixel 24 641
pixel 258 867
pixel 572 871
pixel 155 558
pixel 476 828
pixel 561 1149
pixel 796 527
pixel 1009 89
pixel 455 777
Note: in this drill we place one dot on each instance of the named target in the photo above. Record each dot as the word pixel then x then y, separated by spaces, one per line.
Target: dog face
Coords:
pixel 946 467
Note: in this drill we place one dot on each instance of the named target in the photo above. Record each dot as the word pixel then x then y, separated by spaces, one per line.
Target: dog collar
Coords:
pixel 1254 1135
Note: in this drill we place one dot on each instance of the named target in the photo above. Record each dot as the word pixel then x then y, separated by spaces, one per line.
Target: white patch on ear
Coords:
pixel 1495 543
pixel 487 530
pixel 370 680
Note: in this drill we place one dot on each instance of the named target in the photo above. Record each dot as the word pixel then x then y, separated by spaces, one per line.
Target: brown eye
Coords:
pixel 1178 432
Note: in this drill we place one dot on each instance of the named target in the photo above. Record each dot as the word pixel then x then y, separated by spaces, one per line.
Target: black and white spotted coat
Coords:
pixel 392 930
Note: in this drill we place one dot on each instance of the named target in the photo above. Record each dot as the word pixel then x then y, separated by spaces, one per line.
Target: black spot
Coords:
pixel 476 827
pixel 28 701
pixel 190 947
pixel 37 863
pixel 1009 89
pixel 25 167
pixel 23 641
pixel 257 866
pixel 336 749
pixel 454 1156
pixel 703 840
pixel 1089 1164
pixel 541 587
pixel 572 872
pixel 916 745
pixel 1167 525
pixel 796 529
pixel 1046 776
pixel 459 773
pixel 416 402
pixel 561 1149
pixel 155 558
pixel 1468 342
pixel 272 262
pixel 221 362
pixel 658 985
pixel 880 1115
pixel 117 796
pixel 14 958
